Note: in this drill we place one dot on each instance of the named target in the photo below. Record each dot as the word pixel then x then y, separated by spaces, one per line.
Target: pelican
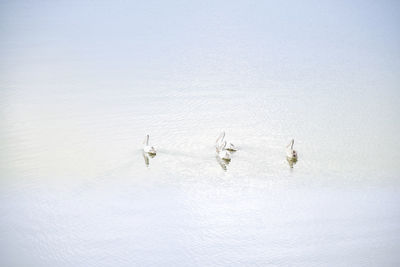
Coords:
pixel 223 153
pixel 148 149
pixel 290 152
pixel 229 146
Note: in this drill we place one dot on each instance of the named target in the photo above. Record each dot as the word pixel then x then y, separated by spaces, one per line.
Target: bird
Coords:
pixel 229 146
pixel 223 153
pixel 290 152
pixel 147 148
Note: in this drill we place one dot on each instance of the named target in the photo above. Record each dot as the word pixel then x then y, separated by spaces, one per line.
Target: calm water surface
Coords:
pixel 83 82
pixel 76 189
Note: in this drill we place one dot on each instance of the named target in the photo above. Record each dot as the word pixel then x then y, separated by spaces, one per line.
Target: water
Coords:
pixel 81 84
pixel 75 188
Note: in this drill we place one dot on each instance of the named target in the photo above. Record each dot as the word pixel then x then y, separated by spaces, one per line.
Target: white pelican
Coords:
pixel 220 140
pixel 290 152
pixel 223 153
pixel 148 149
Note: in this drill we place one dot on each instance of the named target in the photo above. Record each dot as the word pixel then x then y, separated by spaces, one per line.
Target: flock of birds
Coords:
pixel 224 151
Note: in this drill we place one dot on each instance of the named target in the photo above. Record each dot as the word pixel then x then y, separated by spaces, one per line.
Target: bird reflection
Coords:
pixel 147 157
pixel 291 161
pixel 222 162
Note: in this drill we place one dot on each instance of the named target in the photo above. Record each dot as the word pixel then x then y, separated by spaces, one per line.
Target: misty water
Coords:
pixel 82 83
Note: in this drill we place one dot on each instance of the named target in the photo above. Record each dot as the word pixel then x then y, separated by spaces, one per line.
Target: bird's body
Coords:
pixel 223 153
pixel 229 146
pixel 147 148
